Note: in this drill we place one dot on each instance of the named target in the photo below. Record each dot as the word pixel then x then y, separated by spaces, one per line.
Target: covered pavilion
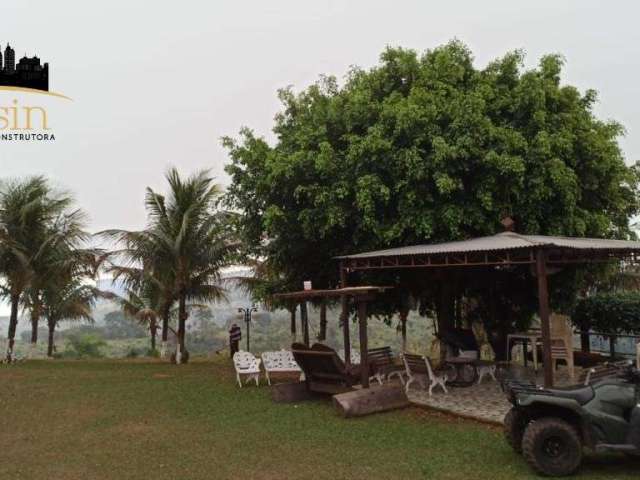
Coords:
pixel 504 249
pixel 361 296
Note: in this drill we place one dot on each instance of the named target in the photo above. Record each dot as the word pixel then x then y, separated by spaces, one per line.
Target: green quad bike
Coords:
pixel 550 427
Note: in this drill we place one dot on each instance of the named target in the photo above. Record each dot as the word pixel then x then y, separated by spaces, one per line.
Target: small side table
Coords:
pixel 465 370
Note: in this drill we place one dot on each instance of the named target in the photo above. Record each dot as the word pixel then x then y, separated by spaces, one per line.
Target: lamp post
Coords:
pixel 247 312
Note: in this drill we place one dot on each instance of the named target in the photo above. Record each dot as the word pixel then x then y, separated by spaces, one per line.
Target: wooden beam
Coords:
pixel 344 317
pixel 364 361
pixel 543 305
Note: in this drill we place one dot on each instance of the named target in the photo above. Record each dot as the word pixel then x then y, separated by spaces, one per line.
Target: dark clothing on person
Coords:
pixel 235 335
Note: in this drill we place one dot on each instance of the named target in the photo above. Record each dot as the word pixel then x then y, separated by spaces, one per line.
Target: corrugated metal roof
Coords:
pixel 503 241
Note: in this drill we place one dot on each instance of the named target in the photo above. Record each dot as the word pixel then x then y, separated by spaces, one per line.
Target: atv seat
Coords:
pixel 582 395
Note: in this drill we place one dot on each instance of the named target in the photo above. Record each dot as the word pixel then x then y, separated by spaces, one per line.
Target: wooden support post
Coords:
pixel 292 312
pixel 344 317
pixel 364 361
pixel 322 334
pixel 304 317
pixel 543 305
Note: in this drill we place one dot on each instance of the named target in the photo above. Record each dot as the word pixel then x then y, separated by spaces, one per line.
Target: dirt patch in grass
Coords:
pixel 448 418
pixel 132 428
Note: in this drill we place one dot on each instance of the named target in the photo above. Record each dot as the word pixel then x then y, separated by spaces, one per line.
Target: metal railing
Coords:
pixel 612 340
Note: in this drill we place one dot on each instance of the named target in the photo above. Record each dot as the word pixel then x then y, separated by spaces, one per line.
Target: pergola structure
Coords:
pixel 504 249
pixel 361 296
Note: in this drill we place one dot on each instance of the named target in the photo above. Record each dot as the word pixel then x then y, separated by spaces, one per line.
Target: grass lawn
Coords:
pixel 142 419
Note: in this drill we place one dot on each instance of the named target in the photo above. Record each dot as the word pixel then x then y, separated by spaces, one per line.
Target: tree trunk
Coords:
pixel 499 330
pixel 35 320
pixel 294 333
pixel 612 346
pixel 322 334
pixel 154 330
pixel 445 312
pixel 182 320
pixel 52 327
pixel 13 323
pixel 585 339
pixel 165 332
pixel 403 328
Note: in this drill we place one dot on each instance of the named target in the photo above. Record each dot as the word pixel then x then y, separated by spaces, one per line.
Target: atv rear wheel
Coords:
pixel 515 423
pixel 552 447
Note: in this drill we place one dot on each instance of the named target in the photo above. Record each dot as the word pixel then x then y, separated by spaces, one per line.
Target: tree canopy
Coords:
pixel 424 148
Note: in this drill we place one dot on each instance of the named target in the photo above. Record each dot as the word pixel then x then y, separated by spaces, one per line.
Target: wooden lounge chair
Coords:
pixel 324 370
pixel 418 367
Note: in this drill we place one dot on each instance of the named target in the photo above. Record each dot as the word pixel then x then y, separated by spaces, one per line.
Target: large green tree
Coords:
pixel 427 148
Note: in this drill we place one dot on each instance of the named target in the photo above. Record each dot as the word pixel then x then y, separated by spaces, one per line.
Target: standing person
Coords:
pixel 235 335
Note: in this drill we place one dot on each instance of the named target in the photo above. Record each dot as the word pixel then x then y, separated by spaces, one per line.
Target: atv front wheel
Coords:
pixel 515 423
pixel 552 447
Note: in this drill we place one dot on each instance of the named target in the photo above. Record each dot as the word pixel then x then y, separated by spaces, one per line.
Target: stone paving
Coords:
pixel 485 402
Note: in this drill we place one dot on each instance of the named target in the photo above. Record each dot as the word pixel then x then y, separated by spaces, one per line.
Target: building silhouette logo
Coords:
pixel 24 112
pixel 27 73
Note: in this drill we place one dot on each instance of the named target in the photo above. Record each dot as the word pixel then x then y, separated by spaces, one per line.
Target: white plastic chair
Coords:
pixel 246 364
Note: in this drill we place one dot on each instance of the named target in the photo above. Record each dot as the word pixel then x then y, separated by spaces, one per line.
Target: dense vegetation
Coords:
pixel 427 148
pixel 613 312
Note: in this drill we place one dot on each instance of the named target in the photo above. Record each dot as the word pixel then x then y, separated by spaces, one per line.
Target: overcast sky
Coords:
pixel 156 84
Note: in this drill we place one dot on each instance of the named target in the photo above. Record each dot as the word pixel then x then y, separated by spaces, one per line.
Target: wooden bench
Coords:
pixel 599 372
pixel 384 364
pixel 280 362
pixel 418 367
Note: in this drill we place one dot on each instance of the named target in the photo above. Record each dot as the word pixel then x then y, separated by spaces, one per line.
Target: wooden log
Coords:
pixel 290 393
pixel 365 401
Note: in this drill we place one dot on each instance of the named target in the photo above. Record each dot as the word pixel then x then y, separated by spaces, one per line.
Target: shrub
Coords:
pixel 609 312
pixel 132 353
pixel 84 346
pixel 153 352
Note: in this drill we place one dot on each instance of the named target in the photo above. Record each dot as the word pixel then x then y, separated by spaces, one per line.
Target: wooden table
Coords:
pixel 532 337
pixel 460 364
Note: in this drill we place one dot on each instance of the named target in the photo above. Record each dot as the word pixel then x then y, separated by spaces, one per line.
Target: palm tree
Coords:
pixel 153 278
pixel 143 303
pixel 60 253
pixel 186 243
pixel 27 210
pixel 66 299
